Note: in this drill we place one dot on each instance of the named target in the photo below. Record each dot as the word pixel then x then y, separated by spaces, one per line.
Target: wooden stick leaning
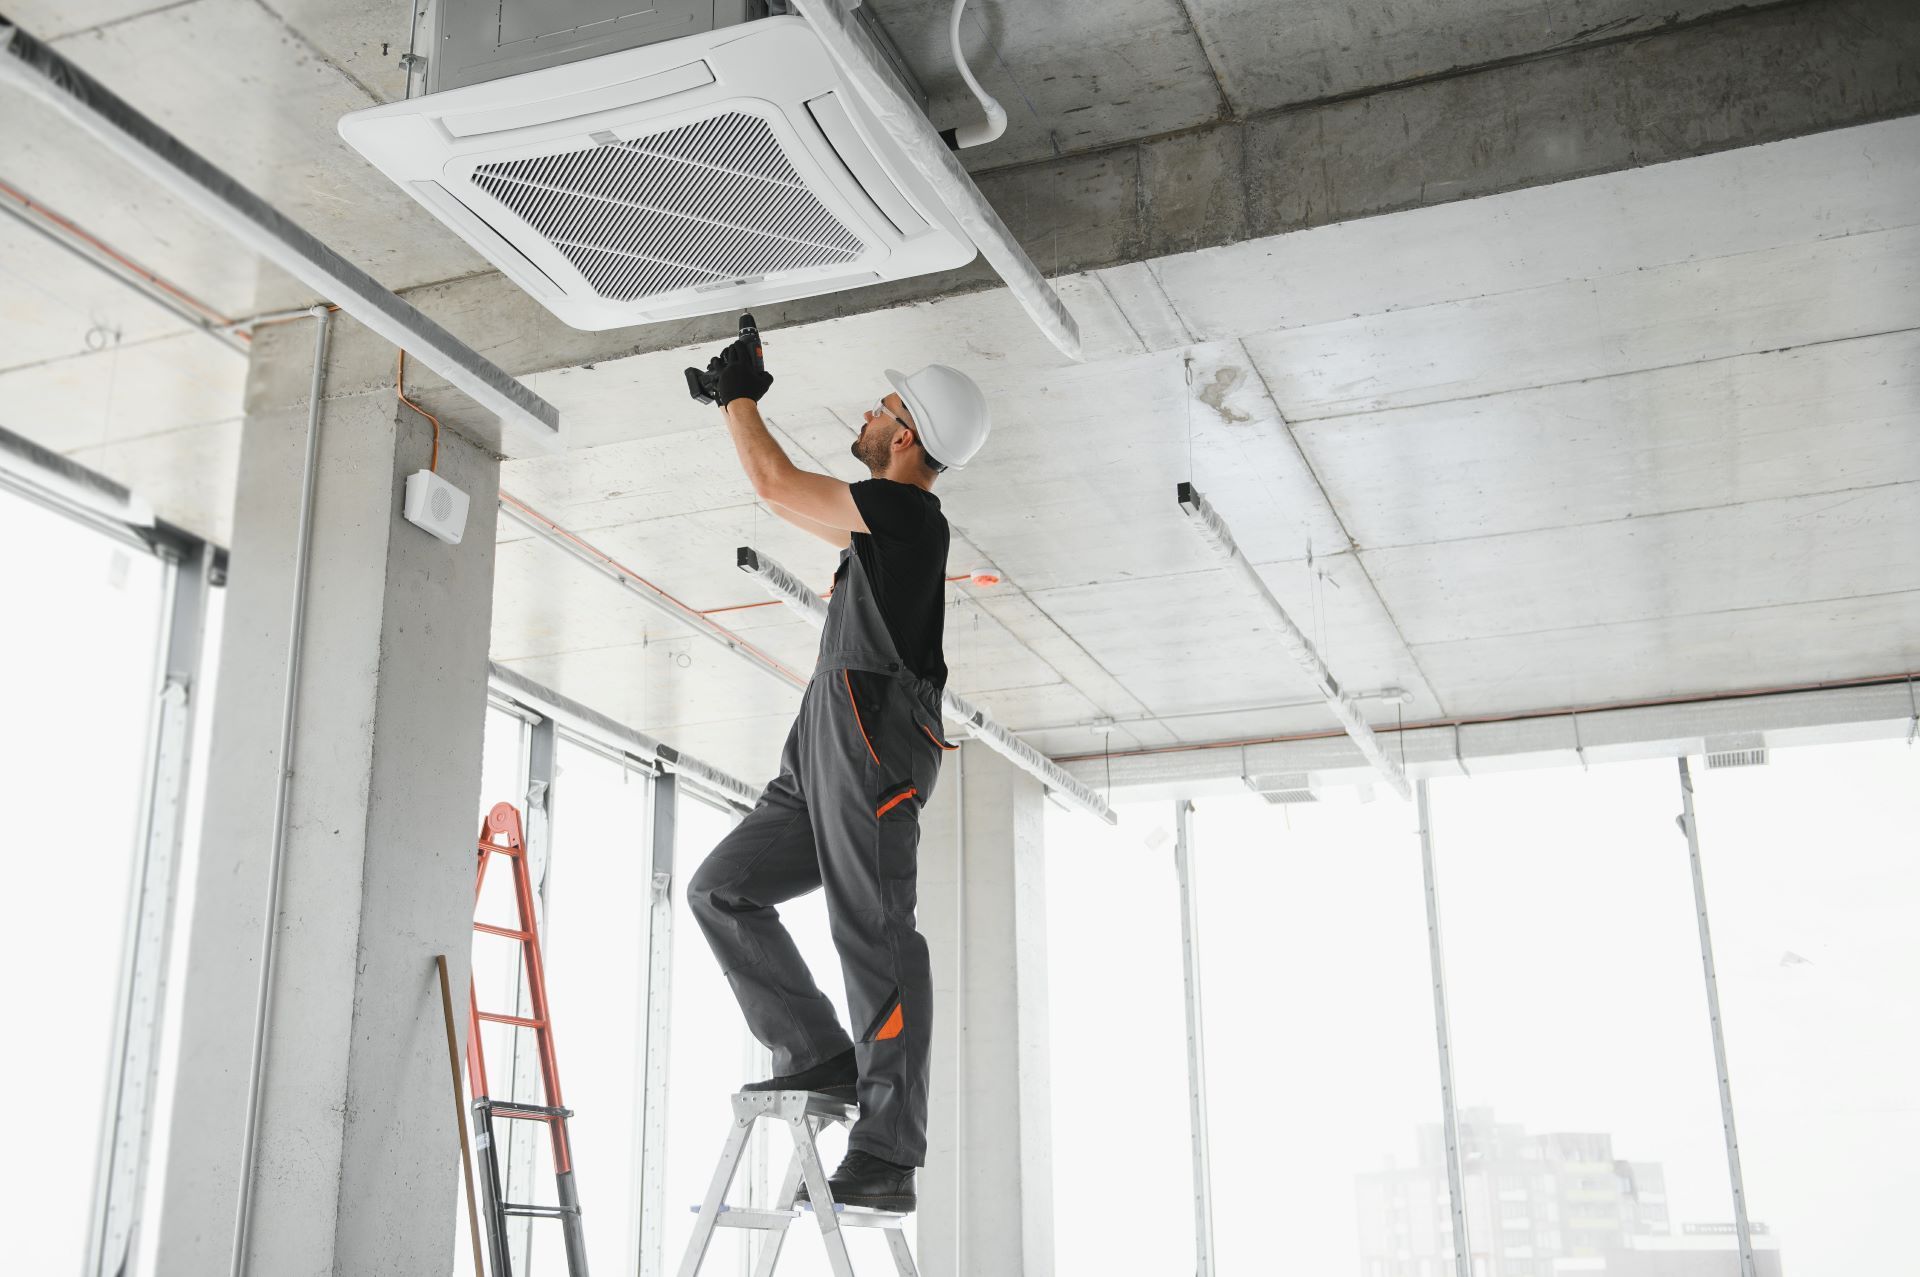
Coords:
pixel 460 1114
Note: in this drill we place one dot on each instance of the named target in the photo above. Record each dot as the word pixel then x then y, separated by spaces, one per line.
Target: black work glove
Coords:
pixel 739 373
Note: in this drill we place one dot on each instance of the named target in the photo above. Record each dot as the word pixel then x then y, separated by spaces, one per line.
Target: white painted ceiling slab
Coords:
pixel 52 304
pixel 147 387
pixel 1761 554
pixel 1858 286
pixel 1714 433
pixel 1690 655
pixel 1783 194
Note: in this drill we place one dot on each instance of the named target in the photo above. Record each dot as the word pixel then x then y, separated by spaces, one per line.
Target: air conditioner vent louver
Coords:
pixel 638 218
pixel 726 169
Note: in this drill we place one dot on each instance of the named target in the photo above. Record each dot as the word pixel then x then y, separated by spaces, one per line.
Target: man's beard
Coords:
pixel 870 450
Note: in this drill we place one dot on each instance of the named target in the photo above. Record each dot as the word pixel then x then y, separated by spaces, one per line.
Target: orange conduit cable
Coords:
pixel 691 613
pixel 741 607
pixel 400 389
pixel 99 245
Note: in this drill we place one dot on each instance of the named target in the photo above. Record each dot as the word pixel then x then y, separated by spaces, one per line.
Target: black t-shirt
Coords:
pixel 905 557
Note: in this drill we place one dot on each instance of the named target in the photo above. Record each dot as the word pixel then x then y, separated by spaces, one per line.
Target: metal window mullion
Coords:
pixel 127 1129
pixel 1690 827
pixel 1449 1118
pixel 1196 1057
pixel 653 1095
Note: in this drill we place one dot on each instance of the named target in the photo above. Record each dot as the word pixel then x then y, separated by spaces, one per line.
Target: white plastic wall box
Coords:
pixel 716 172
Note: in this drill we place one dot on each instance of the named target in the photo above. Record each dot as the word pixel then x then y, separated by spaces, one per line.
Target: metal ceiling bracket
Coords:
pixel 1214 531
pixel 528 423
pixel 791 590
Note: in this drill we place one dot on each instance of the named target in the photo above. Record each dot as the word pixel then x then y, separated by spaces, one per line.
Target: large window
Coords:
pixel 1813 883
pixel 707 1054
pixel 1583 1063
pixel 598 886
pixel 83 645
pixel 1121 1151
pixel 1322 1074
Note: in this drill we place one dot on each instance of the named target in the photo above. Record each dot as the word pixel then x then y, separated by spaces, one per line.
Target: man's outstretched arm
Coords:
pixel 832 536
pixel 820 499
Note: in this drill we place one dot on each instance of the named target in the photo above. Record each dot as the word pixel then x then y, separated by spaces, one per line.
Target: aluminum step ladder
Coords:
pixel 806 1114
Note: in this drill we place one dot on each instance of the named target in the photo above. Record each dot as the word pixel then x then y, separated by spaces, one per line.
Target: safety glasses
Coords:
pixel 882 410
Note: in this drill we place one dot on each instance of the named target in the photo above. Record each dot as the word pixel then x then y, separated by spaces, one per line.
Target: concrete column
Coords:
pixel 358 1159
pixel 986 1195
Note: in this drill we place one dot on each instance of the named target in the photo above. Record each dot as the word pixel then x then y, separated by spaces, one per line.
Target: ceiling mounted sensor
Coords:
pixel 696 158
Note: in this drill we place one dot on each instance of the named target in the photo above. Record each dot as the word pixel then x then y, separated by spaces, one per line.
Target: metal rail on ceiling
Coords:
pixel 529 424
pixel 1213 530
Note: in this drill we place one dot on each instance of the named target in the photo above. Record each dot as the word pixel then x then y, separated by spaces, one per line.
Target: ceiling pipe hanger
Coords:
pixel 1214 531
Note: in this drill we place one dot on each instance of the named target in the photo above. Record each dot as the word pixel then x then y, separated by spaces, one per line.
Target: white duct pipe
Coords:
pixel 282 786
pixel 996 122
pixel 792 591
pixel 1213 530
pixel 863 66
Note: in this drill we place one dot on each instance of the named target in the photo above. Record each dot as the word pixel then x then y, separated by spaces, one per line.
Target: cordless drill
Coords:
pixel 704 386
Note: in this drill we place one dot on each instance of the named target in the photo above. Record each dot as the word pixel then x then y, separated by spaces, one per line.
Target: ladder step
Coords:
pixel 863 1216
pixel 536 1212
pixel 508 932
pixel 740 1217
pixel 500 1017
pixel 513 1108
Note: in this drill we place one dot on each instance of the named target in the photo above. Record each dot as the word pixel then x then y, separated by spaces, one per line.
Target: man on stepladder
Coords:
pixel 859 763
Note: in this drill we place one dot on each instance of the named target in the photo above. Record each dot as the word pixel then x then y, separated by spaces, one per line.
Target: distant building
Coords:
pixel 1538 1205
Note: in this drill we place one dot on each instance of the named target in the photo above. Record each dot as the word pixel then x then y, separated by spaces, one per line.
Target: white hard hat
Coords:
pixel 949 412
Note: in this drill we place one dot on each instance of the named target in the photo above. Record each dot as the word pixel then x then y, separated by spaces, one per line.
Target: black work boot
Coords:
pixel 835 1077
pixel 873 1182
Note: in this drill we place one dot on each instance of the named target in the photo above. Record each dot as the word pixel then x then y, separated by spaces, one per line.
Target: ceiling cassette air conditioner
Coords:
pixel 714 172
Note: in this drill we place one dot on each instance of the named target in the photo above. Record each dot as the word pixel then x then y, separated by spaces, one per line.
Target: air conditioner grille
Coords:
pixel 713 200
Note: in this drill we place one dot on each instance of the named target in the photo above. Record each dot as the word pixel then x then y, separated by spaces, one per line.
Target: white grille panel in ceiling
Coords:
pixel 709 201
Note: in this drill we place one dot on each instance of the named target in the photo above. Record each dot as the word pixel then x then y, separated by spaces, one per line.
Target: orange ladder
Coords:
pixel 500 833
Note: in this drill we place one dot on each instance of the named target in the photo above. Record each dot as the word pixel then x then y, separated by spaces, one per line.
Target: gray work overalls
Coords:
pixel 843 813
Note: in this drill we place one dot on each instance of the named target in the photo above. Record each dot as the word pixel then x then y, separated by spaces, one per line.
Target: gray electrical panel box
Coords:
pixel 479 40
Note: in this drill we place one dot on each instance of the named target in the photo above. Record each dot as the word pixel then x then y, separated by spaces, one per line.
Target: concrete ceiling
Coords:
pixel 1644 434
pixel 1650 434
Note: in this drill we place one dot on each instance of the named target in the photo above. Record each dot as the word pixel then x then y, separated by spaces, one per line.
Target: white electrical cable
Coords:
pixel 282 784
pixel 996 122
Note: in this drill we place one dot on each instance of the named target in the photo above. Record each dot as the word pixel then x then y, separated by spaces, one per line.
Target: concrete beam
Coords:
pixel 1741 79
pixel 357 1163
pixel 1558 738
pixel 986 1195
